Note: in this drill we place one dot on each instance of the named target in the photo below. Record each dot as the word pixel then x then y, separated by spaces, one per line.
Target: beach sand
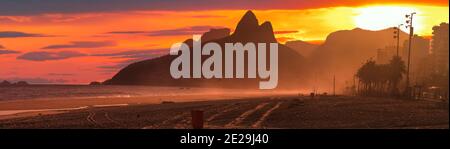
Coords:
pixel 267 112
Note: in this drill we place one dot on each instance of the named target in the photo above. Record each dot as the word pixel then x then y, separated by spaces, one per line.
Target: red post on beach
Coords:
pixel 197 119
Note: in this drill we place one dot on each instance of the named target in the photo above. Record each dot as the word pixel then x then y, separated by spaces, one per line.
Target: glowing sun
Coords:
pixel 382 17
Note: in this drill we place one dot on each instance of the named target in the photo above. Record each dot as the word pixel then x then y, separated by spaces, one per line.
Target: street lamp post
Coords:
pixel 397 35
pixel 409 24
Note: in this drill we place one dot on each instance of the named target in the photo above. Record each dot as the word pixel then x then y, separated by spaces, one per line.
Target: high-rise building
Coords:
pixel 420 53
pixel 385 54
pixel 439 48
pixel 420 48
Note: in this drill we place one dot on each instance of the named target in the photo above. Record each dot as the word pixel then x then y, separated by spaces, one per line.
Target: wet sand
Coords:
pixel 268 112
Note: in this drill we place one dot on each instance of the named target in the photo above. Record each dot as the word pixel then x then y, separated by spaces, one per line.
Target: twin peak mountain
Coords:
pixel 156 71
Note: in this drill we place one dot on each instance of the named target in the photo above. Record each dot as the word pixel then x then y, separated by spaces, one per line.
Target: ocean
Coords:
pixel 106 91
pixel 87 91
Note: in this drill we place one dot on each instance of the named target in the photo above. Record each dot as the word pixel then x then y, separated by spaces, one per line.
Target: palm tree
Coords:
pixel 366 76
pixel 396 70
pixel 381 79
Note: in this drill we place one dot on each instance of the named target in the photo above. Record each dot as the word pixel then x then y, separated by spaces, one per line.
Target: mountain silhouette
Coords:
pixel 302 47
pixel 247 25
pixel 156 71
pixel 214 34
pixel 5 83
pixel 340 55
pixel 344 51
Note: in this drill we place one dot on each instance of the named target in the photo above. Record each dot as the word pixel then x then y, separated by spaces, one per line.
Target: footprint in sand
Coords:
pixel 238 120
pixel 258 123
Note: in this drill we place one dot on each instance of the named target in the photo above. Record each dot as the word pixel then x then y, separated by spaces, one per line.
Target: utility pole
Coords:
pixel 409 23
pixel 334 85
pixel 354 85
pixel 397 35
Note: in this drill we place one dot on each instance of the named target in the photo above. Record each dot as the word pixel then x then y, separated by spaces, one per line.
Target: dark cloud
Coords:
pixel 44 56
pixel 60 74
pixel 8 52
pixel 208 16
pixel 171 32
pixel 14 34
pixel 82 44
pixel 127 32
pixel 33 7
pixel 132 56
pixel 5 51
pixel 285 32
pixel 182 31
pixel 36 80
pixel 50 18
pixel 135 53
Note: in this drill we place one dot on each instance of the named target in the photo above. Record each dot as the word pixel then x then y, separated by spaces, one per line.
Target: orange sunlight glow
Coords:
pixel 382 17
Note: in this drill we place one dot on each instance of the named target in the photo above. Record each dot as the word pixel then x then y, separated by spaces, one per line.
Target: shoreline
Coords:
pixel 33 107
pixel 267 112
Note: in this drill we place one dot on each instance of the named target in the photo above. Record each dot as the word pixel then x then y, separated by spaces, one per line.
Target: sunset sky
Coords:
pixel 74 42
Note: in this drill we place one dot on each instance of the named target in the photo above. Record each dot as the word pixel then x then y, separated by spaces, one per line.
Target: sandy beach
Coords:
pixel 271 112
pixel 42 106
